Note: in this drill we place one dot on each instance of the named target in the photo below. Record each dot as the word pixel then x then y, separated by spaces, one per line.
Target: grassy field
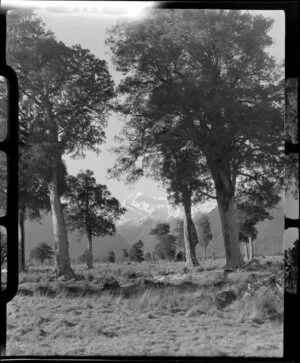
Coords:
pixel 149 309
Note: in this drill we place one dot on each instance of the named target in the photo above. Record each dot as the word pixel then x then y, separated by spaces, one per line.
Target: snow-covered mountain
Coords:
pixel 141 207
pixel 144 212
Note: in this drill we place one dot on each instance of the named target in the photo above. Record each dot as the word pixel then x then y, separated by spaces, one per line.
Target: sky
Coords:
pixel 86 24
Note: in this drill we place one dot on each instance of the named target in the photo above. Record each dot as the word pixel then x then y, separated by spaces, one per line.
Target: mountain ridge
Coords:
pixel 144 212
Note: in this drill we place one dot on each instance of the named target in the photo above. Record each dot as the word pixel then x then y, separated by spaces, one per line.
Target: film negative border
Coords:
pixel 9 146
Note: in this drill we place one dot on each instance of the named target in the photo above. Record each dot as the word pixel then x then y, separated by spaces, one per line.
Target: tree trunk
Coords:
pixel 230 234
pixel 250 249
pixel 225 190
pixel 246 250
pixel 190 235
pixel 90 252
pixel 205 248
pixel 22 266
pixel 62 265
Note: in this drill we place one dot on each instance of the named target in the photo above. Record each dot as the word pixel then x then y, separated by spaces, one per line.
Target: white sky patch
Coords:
pixel 91 8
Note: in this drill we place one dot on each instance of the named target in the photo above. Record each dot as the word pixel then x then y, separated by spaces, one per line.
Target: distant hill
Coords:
pixel 137 226
pixel 36 233
pixel 269 240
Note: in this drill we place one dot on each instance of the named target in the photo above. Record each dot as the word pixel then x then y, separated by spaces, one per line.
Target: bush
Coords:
pixel 165 249
pixel 42 252
pixel 111 257
pixel 136 253
pixel 180 257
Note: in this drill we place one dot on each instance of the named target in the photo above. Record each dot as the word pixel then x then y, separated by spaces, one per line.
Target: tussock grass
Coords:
pixel 146 309
pixel 264 305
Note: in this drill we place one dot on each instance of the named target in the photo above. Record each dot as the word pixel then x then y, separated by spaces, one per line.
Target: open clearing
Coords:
pixel 150 309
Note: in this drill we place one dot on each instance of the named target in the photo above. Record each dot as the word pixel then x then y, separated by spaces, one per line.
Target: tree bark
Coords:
pixel 250 248
pixel 189 232
pixel 22 239
pixel 62 265
pixel 90 252
pixel 230 234
pixel 225 190
pixel 246 250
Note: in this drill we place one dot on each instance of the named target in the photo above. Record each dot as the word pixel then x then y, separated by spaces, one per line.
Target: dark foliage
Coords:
pixel 136 253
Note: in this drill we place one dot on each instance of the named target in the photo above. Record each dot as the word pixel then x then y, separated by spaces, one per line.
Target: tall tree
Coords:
pixel 204 232
pixel 207 74
pixel 64 92
pixel 33 194
pixel 90 208
pixel 167 159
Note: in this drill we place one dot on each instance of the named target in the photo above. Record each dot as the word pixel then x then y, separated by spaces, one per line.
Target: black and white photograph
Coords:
pixel 153 182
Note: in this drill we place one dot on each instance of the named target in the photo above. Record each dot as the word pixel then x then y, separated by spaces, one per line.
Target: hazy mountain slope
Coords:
pixel 36 233
pixel 144 212
pixel 269 239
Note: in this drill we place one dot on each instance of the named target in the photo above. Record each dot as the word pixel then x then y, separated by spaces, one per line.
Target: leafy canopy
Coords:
pixel 252 211
pixel 64 91
pixel 90 207
pixel 203 77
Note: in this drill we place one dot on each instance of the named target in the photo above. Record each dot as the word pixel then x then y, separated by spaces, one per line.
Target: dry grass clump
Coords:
pixel 169 299
pixel 266 304
pixel 183 298
pixel 147 309
pixel 35 276
pixel 199 304
pixel 131 274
